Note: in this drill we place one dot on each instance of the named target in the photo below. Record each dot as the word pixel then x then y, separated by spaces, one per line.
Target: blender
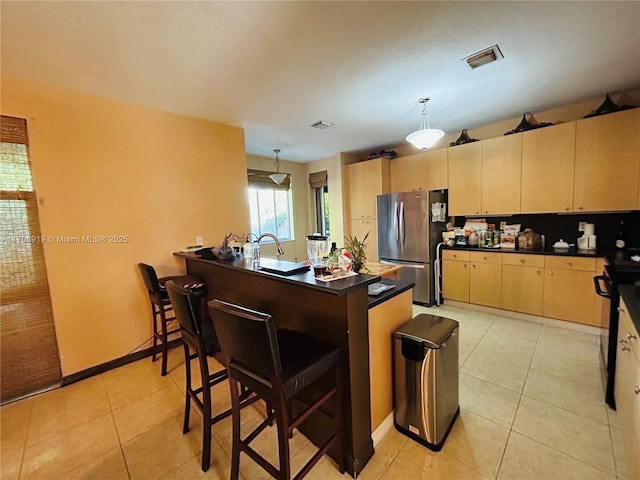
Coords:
pixel 317 247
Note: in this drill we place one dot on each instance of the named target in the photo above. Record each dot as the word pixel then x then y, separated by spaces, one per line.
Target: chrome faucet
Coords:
pixel 275 239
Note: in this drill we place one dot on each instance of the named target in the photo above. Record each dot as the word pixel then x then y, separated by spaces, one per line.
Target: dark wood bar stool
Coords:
pixel 200 341
pixel 277 365
pixel 161 308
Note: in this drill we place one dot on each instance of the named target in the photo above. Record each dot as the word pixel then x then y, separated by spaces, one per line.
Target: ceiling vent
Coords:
pixel 483 57
pixel 321 125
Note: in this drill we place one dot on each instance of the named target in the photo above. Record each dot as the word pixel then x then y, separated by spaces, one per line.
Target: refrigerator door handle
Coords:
pixel 401 224
pixel 395 229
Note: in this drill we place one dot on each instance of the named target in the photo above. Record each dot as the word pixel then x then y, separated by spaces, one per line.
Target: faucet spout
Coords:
pixel 276 241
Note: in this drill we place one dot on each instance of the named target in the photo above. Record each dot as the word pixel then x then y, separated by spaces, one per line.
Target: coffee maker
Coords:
pixel 588 239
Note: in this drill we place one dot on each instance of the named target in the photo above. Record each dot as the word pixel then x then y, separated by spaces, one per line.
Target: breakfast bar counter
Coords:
pixel 335 311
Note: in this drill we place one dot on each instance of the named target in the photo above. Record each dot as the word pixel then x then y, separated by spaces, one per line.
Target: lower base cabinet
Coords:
pixel 627 391
pixel 553 286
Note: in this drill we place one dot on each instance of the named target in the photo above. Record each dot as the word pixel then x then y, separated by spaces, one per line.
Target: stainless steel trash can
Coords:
pixel 425 354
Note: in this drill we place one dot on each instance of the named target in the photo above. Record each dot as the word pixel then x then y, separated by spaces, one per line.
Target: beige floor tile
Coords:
pixel 14 428
pixel 325 469
pixel 514 330
pixel 576 397
pixel 494 369
pixel 266 444
pixel 109 466
pixel 417 462
pixel 580 437
pixel 59 410
pixel 488 400
pixel 568 347
pixel 134 381
pixel 509 350
pixel 619 453
pixel 612 415
pixel 477 442
pixel 141 415
pixel 526 459
pixel 62 453
pixel 162 449
pixel 386 451
pixel 555 363
pixel 219 469
pixel 550 334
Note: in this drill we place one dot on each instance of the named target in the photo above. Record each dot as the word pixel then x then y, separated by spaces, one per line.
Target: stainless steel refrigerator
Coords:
pixel 410 226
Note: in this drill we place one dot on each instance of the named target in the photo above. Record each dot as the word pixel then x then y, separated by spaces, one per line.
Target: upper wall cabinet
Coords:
pixel 366 180
pixel 501 171
pixel 548 157
pixel 421 171
pixel 465 175
pixel 607 169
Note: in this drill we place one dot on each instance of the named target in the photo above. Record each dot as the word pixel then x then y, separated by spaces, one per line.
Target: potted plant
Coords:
pixel 357 250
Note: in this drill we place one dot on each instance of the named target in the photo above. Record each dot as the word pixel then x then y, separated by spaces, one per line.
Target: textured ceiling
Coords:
pixel 273 68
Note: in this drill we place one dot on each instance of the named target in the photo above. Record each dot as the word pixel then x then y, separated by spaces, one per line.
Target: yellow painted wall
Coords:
pixel 103 167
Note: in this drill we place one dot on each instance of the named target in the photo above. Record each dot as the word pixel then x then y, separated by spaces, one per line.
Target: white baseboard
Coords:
pixel 525 316
pixel 382 430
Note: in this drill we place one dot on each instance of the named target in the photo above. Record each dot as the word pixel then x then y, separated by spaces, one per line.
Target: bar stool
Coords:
pixel 277 365
pixel 160 307
pixel 200 341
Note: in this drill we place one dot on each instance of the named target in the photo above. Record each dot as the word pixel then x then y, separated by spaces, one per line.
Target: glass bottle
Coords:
pixel 620 243
pixel 256 252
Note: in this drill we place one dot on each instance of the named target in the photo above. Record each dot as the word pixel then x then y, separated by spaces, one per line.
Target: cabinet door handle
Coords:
pixel 620 309
pixel 637 390
pixel 484 257
pixel 622 340
pixel 580 208
pixel 538 272
pixel 625 349
pixel 476 211
pixel 522 260
pixel 550 273
pixel 630 336
pixel 566 208
pixel 486 211
pixel 569 263
pixel 465 265
pixel 473 266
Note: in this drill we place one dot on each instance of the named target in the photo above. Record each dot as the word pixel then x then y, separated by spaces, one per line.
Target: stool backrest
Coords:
pixel 187 306
pixel 247 337
pixel 150 278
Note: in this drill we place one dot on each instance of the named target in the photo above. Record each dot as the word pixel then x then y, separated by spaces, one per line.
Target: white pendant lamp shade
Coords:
pixel 425 137
pixel 278 177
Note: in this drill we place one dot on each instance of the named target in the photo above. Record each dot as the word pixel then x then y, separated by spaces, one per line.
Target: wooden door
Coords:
pixel 501 172
pixel 455 280
pixel 568 289
pixel 485 279
pixel 607 162
pixel 465 179
pixel 522 283
pixel 548 158
pixel 360 228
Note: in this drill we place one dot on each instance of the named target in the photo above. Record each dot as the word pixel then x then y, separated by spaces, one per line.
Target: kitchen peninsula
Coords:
pixel 336 312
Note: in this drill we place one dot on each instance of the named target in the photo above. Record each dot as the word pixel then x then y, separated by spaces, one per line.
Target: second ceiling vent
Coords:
pixel 483 57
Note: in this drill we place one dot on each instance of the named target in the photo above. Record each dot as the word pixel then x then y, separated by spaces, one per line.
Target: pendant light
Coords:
pixel 278 177
pixel 425 137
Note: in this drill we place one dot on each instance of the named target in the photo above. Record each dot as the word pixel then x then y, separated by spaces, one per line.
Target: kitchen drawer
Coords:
pixel 571 263
pixel 485 257
pixel 459 255
pixel 526 260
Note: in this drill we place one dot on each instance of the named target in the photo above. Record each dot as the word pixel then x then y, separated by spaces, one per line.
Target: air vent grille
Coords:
pixel 483 57
pixel 321 125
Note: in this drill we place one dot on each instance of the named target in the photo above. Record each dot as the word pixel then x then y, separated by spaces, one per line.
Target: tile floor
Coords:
pixel 531 408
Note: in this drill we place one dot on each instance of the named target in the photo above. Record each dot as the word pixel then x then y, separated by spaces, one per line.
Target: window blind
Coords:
pixel 260 179
pixel 29 349
pixel 318 179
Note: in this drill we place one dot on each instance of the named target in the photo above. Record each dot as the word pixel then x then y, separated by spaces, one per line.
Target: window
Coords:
pixel 318 182
pixel 270 205
pixel 30 360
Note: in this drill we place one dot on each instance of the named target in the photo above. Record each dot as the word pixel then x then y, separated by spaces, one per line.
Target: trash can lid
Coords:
pixel 432 330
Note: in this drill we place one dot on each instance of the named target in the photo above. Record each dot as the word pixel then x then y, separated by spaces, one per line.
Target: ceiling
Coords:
pixel 274 68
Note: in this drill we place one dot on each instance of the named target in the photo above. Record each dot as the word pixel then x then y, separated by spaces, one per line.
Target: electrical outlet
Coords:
pixel 199 240
pixel 503 225
pixel 581 226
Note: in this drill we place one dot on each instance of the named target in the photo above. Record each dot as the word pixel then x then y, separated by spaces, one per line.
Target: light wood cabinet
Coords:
pixel 366 180
pixel 522 283
pixel 421 171
pixel 568 289
pixel 485 278
pixel 501 172
pixel 359 228
pixel 455 275
pixel 548 158
pixel 465 176
pixel 627 391
pixel 607 170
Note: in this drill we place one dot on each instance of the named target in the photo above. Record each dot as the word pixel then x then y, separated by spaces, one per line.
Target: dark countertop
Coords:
pixel 400 286
pixel 336 287
pixel 631 297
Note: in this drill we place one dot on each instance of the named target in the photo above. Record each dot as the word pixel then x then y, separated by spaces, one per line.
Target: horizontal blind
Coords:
pixel 30 360
pixel 260 179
